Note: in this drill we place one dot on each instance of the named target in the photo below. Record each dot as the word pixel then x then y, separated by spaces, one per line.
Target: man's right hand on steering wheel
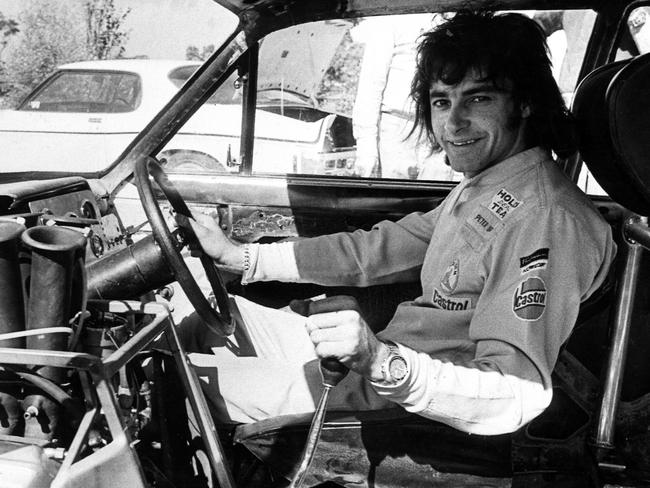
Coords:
pixel 213 240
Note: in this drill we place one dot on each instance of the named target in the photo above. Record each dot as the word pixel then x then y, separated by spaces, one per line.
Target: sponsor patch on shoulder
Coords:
pixel 535 261
pixel 503 203
pixel 529 301
pixel 448 303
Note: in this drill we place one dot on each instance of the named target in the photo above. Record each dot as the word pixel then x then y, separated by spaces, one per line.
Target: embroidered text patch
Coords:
pixel 503 203
pixel 529 300
pixel 535 261
pixel 447 303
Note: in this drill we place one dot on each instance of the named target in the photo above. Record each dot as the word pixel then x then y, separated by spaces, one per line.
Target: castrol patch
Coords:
pixel 503 203
pixel 447 303
pixel 529 300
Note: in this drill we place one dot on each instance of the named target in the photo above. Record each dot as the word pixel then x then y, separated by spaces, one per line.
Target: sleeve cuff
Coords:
pixel 270 262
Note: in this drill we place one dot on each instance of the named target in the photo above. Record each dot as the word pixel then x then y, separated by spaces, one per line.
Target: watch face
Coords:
pixel 397 368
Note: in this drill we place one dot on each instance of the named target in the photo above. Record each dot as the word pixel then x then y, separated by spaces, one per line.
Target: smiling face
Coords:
pixel 476 123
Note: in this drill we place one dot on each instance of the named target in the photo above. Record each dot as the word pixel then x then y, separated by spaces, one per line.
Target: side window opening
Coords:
pixel 353 96
pixel 333 99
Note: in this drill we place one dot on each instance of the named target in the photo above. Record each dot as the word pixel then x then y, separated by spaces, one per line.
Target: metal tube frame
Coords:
pixel 102 397
pixel 636 238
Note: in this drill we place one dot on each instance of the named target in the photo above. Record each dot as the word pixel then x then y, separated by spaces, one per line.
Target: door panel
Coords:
pixel 268 209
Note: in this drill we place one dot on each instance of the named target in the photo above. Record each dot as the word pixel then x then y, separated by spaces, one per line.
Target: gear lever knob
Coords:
pixel 331 369
pixel 333 372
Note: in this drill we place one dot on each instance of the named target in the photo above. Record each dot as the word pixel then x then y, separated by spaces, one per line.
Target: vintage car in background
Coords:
pixel 95 389
pixel 83 116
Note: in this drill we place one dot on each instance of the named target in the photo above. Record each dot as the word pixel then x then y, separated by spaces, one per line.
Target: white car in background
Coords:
pixel 83 116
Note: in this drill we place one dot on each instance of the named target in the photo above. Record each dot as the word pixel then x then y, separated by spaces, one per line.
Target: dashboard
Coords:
pixel 67 202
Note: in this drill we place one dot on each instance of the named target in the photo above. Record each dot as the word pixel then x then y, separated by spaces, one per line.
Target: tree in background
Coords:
pixel 8 29
pixel 53 33
pixel 105 29
pixel 192 53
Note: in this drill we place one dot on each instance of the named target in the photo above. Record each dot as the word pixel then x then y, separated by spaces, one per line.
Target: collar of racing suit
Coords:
pixel 497 173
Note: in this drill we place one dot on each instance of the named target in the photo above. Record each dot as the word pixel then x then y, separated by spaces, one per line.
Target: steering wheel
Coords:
pixel 220 322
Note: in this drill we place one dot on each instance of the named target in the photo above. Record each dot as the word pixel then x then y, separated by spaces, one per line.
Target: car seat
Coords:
pixel 612 108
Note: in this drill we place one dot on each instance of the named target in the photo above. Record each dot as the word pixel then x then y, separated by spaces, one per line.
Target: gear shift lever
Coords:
pixel 332 370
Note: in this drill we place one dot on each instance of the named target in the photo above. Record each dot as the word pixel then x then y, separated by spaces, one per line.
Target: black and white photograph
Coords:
pixel 324 243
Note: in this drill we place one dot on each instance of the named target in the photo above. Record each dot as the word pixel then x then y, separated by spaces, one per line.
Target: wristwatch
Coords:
pixel 394 368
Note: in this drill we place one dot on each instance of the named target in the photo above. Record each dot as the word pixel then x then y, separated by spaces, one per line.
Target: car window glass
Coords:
pixel 333 97
pixel 226 94
pixel 88 92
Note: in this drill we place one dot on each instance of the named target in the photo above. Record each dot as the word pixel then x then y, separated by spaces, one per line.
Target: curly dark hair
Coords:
pixel 506 47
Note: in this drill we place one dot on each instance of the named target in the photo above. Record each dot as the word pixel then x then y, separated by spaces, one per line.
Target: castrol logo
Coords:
pixel 529 300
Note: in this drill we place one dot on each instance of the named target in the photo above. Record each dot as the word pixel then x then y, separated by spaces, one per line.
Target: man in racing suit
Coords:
pixel 504 261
